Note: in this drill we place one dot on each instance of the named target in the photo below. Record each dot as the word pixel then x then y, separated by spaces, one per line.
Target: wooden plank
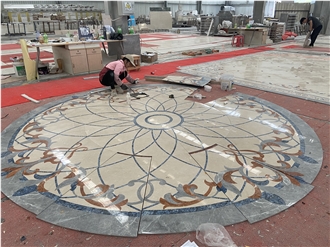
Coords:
pixel 29 98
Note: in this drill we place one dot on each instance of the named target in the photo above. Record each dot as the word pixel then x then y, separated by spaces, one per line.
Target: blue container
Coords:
pixel 131 21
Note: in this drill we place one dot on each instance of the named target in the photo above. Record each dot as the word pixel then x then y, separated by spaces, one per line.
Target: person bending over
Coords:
pixel 315 27
pixel 114 72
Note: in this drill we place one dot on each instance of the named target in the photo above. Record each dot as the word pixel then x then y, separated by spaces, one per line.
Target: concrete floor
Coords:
pixel 306 223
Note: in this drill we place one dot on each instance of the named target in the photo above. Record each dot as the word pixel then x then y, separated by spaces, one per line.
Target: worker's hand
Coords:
pixel 136 81
pixel 124 87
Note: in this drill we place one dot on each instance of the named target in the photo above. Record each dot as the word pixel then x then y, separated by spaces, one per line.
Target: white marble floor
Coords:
pixel 296 74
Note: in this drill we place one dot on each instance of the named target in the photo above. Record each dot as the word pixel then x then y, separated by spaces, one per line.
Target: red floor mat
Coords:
pixel 10 46
pixel 298 47
pixel 43 90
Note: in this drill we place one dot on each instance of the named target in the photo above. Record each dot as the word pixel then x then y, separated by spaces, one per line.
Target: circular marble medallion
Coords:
pixel 159 165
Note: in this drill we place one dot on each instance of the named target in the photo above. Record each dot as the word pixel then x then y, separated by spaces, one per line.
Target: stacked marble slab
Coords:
pixel 277 31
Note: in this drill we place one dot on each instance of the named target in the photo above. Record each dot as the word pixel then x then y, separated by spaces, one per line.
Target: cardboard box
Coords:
pixel 149 57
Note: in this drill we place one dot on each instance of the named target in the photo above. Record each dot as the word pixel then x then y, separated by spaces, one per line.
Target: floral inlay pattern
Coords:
pixel 159 155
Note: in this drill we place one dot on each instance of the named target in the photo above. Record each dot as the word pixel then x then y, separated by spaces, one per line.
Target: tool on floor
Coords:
pixel 126 100
pixel 197 96
pixel 139 95
pixel 135 96
pixel 306 42
pixel 29 98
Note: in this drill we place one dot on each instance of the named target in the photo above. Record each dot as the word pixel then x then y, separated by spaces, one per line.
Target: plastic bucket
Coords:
pixel 19 68
pixel 224 85
pixel 227 82
pixel 207 88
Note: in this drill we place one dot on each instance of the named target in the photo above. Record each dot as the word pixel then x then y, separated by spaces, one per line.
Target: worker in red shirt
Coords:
pixel 114 72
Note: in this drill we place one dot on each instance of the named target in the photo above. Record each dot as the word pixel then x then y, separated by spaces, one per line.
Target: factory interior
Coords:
pixel 221 140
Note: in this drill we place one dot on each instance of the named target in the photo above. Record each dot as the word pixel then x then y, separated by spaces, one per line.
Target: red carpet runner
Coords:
pixel 299 47
pixel 43 90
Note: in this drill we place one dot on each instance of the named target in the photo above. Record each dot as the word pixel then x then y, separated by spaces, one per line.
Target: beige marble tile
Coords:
pixel 236 172
pixel 119 185
pixel 178 182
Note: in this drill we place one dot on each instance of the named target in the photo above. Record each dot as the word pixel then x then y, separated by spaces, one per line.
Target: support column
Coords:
pixel 107 7
pixel 258 11
pixel 111 8
pixel 199 7
pixel 321 10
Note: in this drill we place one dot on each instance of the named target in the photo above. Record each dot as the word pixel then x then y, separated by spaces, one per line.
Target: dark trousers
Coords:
pixel 109 78
pixel 314 34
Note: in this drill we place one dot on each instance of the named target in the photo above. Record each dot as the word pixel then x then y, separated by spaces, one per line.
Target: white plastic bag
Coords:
pixel 213 234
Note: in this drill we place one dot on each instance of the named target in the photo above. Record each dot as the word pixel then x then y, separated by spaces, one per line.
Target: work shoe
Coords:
pixel 113 93
pixel 119 89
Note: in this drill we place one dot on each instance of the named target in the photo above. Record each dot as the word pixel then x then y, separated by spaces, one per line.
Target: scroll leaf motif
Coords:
pixel 273 198
pixel 179 203
pixel 284 164
pixel 289 130
pixel 32 127
pixel 41 186
pixel 117 201
pixel 28 172
pixel 171 201
pixel 189 189
pixel 25 190
pixel 48 156
pixel 227 177
pixel 71 175
pixel 257 191
pixel 291 178
pixel 230 187
pixel 11 171
pixel 303 158
pixel 54 109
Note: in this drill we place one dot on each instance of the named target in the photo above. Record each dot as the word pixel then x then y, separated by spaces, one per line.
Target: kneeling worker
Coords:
pixel 114 72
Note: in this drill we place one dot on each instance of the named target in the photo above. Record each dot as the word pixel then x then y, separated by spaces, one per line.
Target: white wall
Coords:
pixel 270 9
pixel 243 10
pixel 143 7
